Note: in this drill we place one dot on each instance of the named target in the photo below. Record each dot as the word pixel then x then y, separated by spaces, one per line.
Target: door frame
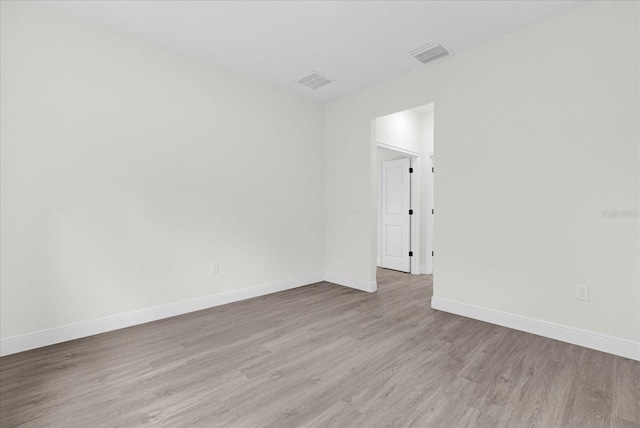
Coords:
pixel 429 175
pixel 416 183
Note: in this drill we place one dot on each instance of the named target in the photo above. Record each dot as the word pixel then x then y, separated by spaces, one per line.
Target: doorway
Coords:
pixel 404 156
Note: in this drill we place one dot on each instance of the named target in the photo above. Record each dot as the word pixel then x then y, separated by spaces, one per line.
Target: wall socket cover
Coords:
pixel 215 268
pixel 582 292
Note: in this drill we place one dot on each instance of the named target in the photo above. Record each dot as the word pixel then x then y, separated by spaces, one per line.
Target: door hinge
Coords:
pixel 432 169
pixel 410 170
pixel 432 254
pixel 410 212
pixel 432 212
pixel 410 253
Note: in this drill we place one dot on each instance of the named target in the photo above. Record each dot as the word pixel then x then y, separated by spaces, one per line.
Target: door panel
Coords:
pixel 394 241
pixel 396 222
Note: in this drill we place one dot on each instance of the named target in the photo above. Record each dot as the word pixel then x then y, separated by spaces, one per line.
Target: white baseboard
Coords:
pixel 613 345
pixel 350 282
pixel 600 342
pixel 15 344
pixel 425 270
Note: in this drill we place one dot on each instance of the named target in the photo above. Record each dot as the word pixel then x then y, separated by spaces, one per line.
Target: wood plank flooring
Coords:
pixel 320 356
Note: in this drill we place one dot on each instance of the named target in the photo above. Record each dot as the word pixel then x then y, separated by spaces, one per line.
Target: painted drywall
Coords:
pixel 427 130
pixel 128 169
pixel 402 129
pixel 536 135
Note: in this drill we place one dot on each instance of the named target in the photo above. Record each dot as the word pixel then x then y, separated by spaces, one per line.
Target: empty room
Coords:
pixel 319 213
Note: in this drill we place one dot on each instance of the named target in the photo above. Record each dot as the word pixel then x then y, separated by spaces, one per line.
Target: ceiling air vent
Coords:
pixel 430 52
pixel 315 80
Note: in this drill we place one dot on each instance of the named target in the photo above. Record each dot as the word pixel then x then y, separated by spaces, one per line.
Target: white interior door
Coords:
pixel 396 221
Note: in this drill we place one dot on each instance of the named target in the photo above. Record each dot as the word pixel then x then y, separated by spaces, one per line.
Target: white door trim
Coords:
pixel 429 230
pixel 397 149
pixel 416 183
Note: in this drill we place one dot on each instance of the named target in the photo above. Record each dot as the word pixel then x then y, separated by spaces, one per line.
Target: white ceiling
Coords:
pixel 357 43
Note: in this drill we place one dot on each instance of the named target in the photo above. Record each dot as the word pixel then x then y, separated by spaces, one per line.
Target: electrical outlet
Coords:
pixel 582 292
pixel 215 268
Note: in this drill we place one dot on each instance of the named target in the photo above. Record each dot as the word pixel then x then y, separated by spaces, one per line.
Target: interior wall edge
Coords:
pixel 350 282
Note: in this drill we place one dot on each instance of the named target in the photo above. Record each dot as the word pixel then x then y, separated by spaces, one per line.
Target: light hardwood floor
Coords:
pixel 320 356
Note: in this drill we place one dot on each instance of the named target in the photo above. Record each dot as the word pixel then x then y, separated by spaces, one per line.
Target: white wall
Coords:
pixel 427 131
pixel 128 169
pixel 403 129
pixel 536 134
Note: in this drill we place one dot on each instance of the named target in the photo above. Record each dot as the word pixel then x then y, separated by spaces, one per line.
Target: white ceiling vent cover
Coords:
pixel 430 52
pixel 315 80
